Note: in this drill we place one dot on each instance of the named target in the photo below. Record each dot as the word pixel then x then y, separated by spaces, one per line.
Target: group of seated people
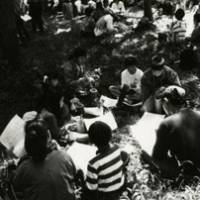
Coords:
pixel 100 17
pixel 46 172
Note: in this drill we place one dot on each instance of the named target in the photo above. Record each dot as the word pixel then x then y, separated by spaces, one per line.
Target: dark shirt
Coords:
pixel 150 83
pixel 51 179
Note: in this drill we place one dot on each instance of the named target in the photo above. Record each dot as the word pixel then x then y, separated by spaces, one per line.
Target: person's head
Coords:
pixel 79 54
pixel 37 138
pixel 88 11
pixel 131 63
pixel 176 100
pixel 99 6
pixel 105 3
pixel 157 65
pixel 179 14
pixel 54 79
pixel 100 134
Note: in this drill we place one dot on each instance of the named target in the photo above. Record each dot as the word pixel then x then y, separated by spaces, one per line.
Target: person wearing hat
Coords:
pixel 155 85
pixel 130 79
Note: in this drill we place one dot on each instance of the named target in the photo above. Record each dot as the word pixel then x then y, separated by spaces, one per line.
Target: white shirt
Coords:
pixel 104 25
pixel 132 80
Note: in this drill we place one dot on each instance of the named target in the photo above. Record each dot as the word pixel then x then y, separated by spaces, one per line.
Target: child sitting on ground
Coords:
pixel 130 80
pixel 105 177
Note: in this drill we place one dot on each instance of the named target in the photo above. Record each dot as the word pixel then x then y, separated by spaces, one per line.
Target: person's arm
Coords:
pixel 91 183
pixel 162 143
pixel 122 7
pixel 174 78
pixel 145 88
pixel 137 87
pixel 109 23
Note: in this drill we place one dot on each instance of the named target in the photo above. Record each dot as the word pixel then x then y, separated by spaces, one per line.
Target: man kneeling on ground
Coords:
pixel 155 86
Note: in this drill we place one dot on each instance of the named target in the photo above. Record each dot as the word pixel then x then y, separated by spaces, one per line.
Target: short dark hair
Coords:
pixel 176 99
pixel 179 14
pixel 36 135
pixel 130 60
pixel 100 133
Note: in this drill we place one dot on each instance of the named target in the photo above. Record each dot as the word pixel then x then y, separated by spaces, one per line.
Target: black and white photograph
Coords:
pixel 99 99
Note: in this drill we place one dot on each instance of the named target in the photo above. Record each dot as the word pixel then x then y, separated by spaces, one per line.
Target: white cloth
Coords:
pixel 118 7
pixel 104 25
pixel 78 5
pixel 132 80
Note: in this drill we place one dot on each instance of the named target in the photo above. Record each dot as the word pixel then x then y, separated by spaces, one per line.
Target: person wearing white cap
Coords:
pixel 155 86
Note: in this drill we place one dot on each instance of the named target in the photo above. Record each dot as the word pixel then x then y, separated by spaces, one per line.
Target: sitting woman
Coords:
pixel 46 173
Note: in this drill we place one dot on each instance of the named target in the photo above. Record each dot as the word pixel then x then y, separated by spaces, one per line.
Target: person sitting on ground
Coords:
pixel 130 80
pixel 155 82
pixel 74 70
pixel 99 12
pixel 45 173
pixel 88 24
pixel 105 25
pixel 179 27
pixel 178 141
pixel 118 6
pixel 68 9
pixel 52 99
pixel 105 178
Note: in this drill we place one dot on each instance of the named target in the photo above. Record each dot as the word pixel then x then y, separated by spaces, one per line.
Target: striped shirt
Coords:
pixel 179 30
pixel 105 171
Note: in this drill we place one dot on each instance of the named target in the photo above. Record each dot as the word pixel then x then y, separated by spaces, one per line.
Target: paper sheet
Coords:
pixel 144 131
pixel 62 30
pixel 93 111
pixel 108 118
pixel 13 136
pixel 26 17
pixel 81 154
pixel 108 102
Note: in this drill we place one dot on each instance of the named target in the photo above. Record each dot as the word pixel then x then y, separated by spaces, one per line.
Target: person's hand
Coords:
pixel 160 92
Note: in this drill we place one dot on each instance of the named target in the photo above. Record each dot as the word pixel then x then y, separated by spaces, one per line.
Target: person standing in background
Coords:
pixel 35 11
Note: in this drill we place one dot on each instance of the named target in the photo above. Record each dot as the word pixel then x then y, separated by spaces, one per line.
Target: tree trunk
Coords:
pixel 8 36
pixel 147 10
